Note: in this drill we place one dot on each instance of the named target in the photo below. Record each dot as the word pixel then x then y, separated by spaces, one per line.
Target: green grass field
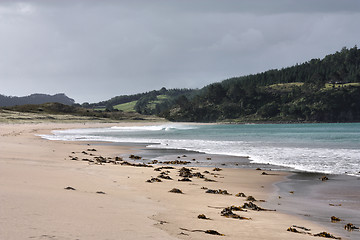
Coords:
pixel 159 99
pixel 126 107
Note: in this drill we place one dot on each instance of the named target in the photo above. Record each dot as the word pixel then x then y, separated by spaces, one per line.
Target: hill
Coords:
pixel 148 103
pixel 63 113
pixel 326 90
pixel 7 101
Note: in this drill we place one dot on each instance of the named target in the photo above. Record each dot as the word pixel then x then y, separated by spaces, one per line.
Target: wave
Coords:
pixel 309 158
pixel 166 127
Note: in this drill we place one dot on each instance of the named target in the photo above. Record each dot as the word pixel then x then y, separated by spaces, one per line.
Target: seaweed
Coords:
pixel 152 180
pixel 219 191
pixel 335 219
pixel 253 206
pixel 227 212
pixel 202 216
pixel 325 235
pixel 132 156
pixel 240 195
pixel 180 162
pixel 176 190
pixel 212 232
pixel 185 180
pixel 350 227
pixel 251 199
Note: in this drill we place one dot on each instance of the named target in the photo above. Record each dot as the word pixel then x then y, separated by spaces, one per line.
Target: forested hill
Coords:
pixel 326 90
pixel 149 103
pixel 7 101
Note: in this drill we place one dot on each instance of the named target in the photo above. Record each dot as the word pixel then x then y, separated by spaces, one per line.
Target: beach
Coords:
pixel 47 191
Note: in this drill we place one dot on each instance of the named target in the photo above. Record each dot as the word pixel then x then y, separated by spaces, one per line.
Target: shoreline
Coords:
pixel 318 200
pixel 34 170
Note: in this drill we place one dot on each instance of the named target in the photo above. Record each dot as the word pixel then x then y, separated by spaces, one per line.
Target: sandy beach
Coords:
pixel 46 195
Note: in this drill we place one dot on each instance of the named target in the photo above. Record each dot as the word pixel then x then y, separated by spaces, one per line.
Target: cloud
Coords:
pixel 93 50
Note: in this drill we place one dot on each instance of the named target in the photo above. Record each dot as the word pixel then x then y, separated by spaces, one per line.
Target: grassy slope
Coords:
pixel 126 107
pixel 160 99
pixel 130 106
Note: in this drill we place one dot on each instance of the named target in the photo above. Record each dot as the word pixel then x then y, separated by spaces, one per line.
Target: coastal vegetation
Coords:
pixel 57 112
pixel 320 90
pixel 326 90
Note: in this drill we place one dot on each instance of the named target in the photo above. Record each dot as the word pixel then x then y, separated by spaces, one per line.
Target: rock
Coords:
pixel 70 188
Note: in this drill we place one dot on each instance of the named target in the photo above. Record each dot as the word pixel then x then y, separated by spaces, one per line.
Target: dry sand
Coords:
pixel 35 205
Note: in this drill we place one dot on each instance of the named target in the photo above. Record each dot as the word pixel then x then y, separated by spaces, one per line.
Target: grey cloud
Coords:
pixel 94 50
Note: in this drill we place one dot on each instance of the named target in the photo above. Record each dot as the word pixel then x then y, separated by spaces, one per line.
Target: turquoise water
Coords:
pixel 328 148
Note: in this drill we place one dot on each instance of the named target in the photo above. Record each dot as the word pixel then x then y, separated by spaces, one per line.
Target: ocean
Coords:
pixel 331 148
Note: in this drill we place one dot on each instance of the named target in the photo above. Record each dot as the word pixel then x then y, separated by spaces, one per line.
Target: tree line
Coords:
pixel 324 90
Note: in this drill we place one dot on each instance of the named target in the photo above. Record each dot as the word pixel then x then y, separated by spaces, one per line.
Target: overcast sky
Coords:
pixel 93 50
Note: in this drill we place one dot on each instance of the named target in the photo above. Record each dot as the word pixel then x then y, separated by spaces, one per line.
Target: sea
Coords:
pixel 329 148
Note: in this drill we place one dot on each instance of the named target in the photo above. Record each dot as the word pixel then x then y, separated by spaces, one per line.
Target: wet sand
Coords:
pixel 318 200
pixel 46 195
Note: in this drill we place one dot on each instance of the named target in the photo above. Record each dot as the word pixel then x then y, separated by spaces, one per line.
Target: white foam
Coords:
pixel 165 127
pixel 311 159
